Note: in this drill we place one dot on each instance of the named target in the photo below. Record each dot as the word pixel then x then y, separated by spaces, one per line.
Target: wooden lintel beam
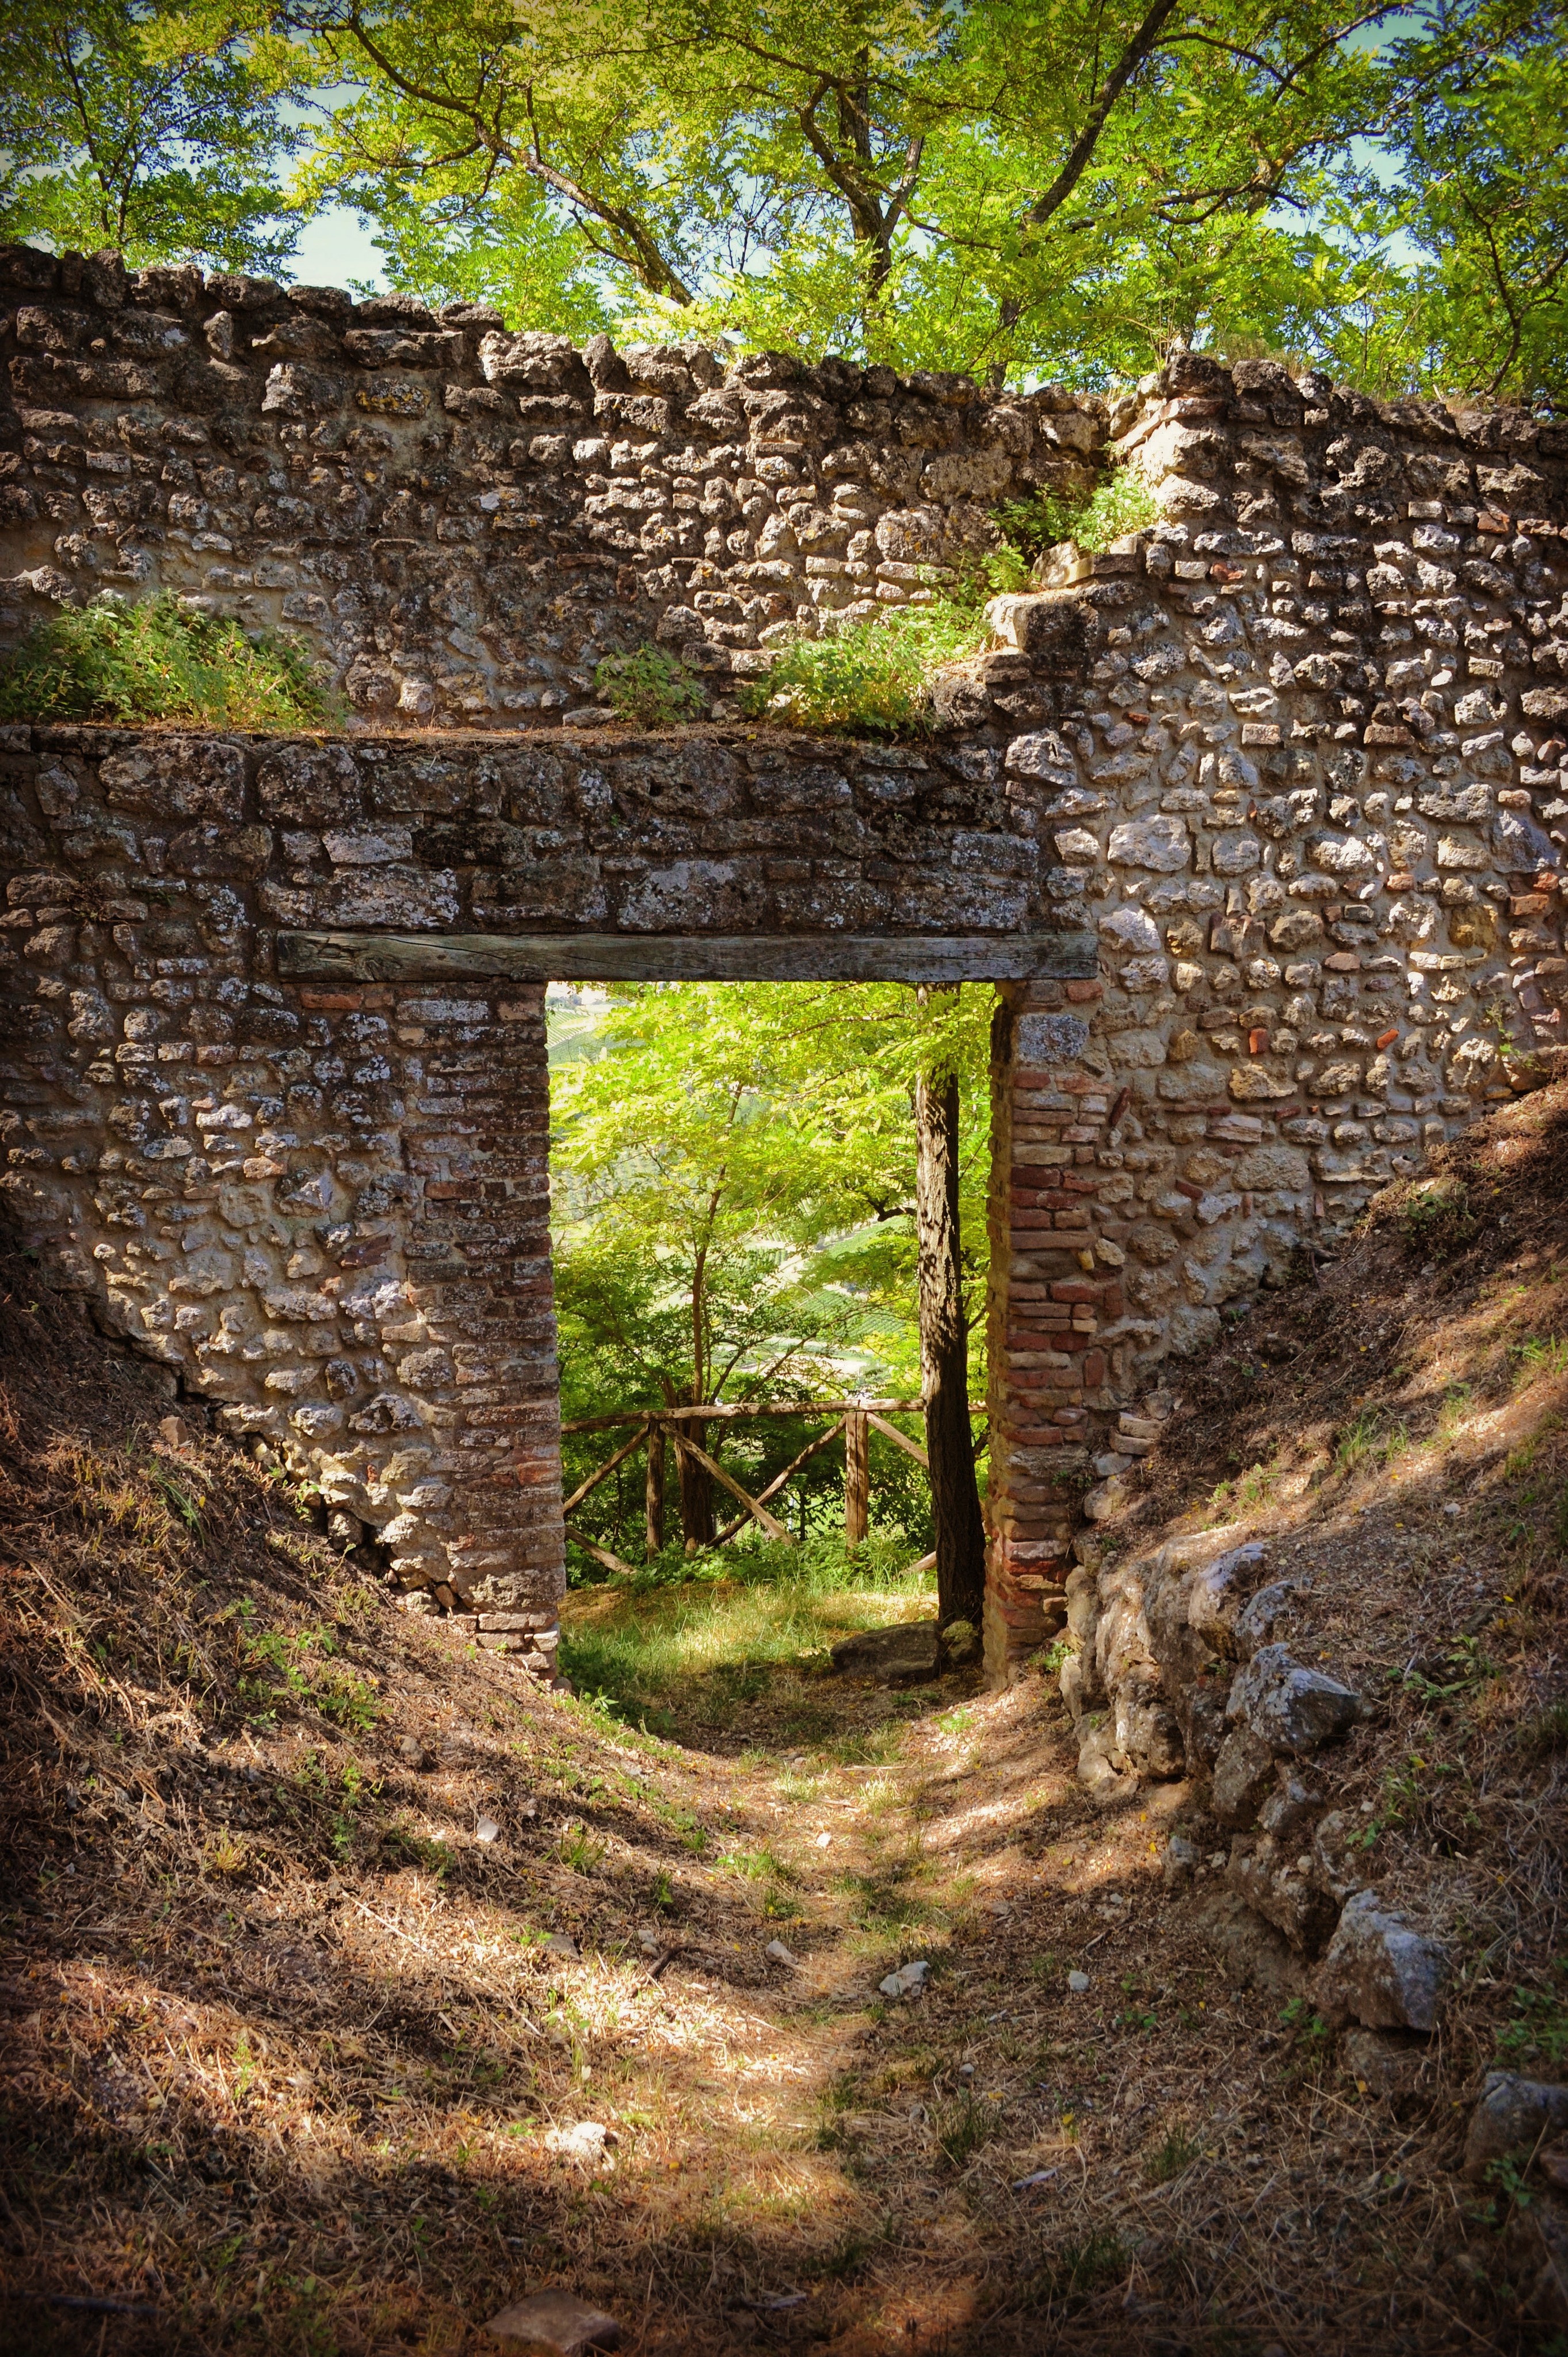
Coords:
pixel 686 957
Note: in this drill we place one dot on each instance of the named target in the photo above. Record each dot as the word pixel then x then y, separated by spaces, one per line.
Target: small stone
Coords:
pixel 779 1953
pixel 649 1939
pixel 1385 2062
pixel 824 1841
pixel 174 1432
pixel 586 2140
pixel 561 1944
pixel 1381 1972
pixel 913 1975
pixel 1077 1982
pixel 487 1831
pixel 1243 1778
pixel 960 1643
pixel 1180 1862
pixel 1513 2116
pixel 556 2320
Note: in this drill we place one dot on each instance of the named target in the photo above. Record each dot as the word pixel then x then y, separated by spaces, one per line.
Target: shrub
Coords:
pixel 157 661
pixel 1124 502
pixel 650 687
pixel 875 675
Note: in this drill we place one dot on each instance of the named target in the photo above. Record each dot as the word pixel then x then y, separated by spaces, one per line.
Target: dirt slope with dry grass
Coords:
pixel 351 1987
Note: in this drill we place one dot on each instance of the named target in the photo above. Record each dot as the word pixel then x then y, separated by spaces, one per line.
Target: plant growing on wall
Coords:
pixel 158 661
pixel 650 687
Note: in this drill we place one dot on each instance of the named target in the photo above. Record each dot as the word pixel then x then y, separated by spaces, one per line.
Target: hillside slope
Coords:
pixel 353 1988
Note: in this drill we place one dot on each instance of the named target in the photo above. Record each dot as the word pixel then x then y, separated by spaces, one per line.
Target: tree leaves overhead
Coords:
pixel 117 127
pixel 958 187
pixel 1011 187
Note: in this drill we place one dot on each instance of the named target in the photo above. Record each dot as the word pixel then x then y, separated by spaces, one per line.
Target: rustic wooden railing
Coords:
pixel 855 1419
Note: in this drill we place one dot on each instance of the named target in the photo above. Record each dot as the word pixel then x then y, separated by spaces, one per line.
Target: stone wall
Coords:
pixel 1293 757
pixel 462 522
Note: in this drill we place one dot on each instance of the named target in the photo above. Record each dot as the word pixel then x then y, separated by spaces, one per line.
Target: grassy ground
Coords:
pixel 735 1648
pixel 298 2057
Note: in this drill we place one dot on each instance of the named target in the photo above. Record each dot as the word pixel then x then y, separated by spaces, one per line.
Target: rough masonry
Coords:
pixel 1292 761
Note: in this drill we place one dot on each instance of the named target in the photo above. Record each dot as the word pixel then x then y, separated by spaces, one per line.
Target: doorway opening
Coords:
pixel 770 1242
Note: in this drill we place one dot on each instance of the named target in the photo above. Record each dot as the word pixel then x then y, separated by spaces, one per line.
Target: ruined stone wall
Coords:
pixel 1293 757
pixel 1316 812
pixel 324 1203
pixel 460 521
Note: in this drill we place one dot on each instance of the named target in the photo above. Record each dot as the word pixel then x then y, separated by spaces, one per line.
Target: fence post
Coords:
pixel 857 1478
pixel 653 1489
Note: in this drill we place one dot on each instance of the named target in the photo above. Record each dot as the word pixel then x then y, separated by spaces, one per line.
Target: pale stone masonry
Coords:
pixel 1291 762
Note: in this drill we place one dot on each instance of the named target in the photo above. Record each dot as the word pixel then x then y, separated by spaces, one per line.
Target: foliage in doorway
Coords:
pixel 733 1189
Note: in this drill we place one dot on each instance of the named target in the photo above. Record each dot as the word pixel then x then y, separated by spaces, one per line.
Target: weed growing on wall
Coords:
pixel 1124 502
pixel 874 675
pixel 156 661
pixel 650 687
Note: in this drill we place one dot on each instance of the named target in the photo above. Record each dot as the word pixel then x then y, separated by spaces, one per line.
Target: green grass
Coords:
pixel 1172 2159
pixel 716 1639
pixel 156 660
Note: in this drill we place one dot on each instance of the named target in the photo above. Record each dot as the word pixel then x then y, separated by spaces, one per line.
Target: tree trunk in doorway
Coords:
pixel 696 1488
pixel 944 1354
pixel 653 1489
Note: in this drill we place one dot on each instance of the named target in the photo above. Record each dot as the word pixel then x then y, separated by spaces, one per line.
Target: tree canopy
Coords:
pixel 120 125
pixel 1011 188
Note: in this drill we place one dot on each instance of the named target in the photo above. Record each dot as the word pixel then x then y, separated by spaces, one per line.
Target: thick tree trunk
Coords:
pixel 653 1491
pixel 696 1489
pixel 944 1355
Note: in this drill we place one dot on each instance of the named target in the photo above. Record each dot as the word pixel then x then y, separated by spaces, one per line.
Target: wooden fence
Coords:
pixel 656 1427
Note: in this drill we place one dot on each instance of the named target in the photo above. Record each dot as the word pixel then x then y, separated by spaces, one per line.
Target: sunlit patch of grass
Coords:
pixel 715 1650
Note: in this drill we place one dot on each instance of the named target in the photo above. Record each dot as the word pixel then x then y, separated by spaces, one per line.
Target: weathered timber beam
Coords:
pixel 891 1432
pixel 600 1554
pixel 779 1479
pixel 609 1467
pixel 686 957
pixel 775 1529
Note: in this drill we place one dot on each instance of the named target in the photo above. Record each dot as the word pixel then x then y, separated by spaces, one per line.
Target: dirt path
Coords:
pixel 351 1989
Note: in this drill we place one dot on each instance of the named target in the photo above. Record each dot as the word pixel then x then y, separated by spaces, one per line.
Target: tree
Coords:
pixel 944 1347
pixel 117 129
pixel 890 177
pixel 1485 199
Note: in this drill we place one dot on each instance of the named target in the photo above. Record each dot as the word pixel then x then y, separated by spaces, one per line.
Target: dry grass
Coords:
pixel 287 2047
